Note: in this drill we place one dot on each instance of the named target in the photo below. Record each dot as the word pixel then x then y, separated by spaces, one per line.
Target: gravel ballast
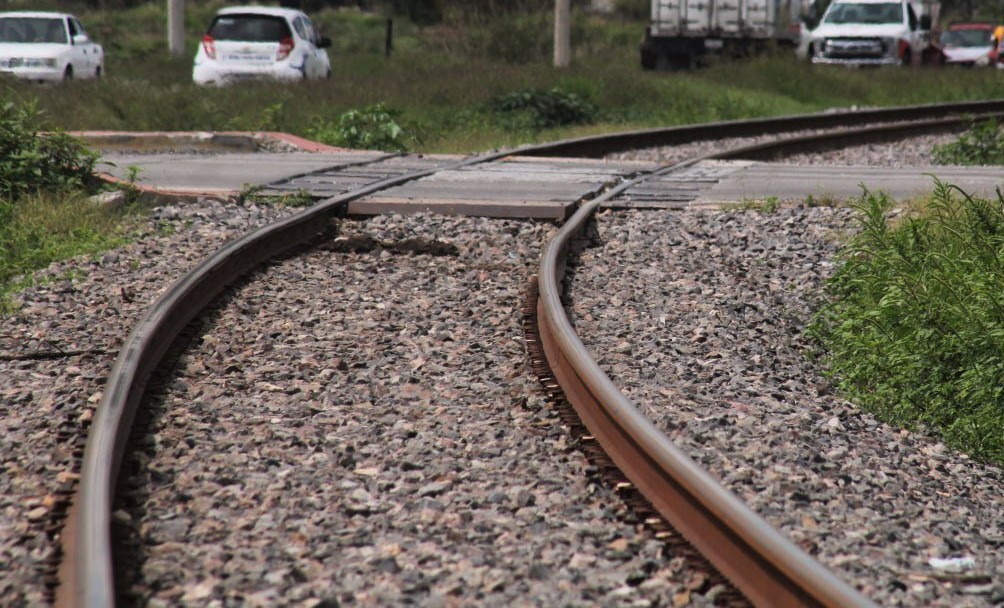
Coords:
pixel 358 426
pixel 290 420
pixel 699 316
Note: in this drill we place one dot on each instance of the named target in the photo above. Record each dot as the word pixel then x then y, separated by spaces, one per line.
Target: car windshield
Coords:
pixel 249 28
pixel 886 12
pixel 975 37
pixel 32 30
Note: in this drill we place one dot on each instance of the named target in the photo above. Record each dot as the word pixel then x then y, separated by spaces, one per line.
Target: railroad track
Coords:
pixel 766 568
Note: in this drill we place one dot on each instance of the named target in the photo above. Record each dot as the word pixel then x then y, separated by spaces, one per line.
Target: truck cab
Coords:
pixel 870 32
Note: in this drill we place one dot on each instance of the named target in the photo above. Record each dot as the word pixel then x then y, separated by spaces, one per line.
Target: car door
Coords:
pixel 86 55
pixel 320 55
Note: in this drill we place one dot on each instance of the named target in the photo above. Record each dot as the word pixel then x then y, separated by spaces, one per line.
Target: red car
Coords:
pixel 971 44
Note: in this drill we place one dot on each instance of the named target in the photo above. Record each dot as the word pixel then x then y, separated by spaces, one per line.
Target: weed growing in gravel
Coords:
pixel 823 200
pixel 765 205
pixel 42 228
pixel 981 144
pixel 914 329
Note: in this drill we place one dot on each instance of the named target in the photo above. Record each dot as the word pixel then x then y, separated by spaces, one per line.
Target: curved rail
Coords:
pixel 767 567
pixel 86 574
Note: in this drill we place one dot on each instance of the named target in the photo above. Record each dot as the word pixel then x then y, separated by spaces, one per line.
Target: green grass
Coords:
pixel 981 144
pixel 914 331
pixel 43 228
pixel 440 82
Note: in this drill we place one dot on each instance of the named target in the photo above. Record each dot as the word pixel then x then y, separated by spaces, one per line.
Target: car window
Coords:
pixel 301 30
pixel 76 29
pixel 312 31
pixel 972 38
pixel 865 13
pixel 39 30
pixel 249 28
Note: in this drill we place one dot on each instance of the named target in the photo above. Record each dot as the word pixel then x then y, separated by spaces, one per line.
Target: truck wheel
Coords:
pixel 907 60
pixel 648 60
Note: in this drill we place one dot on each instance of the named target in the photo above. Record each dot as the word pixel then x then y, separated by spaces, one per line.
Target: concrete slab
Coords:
pixel 791 182
pixel 222 173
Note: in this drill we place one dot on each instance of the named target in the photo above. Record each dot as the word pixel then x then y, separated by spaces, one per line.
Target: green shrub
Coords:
pixel 32 160
pixel 981 144
pixel 914 330
pixel 371 128
pixel 536 110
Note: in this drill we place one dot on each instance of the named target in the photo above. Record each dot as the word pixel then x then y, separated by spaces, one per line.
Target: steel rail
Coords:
pixel 817 142
pixel 761 562
pixel 86 576
pixel 601 145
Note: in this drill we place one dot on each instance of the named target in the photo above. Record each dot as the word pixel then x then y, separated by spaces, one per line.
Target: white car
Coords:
pixel 48 47
pixel 253 42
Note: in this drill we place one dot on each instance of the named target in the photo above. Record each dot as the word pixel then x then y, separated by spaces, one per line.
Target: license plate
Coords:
pixel 713 44
pixel 247 58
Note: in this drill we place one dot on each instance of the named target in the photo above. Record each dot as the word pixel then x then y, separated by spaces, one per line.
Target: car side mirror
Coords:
pixel 324 42
pixel 925 22
pixel 80 39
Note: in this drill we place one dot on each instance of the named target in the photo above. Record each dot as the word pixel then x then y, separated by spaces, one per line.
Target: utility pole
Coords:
pixel 176 27
pixel 562 33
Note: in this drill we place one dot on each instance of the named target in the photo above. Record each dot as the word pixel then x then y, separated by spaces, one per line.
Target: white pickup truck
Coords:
pixel 870 32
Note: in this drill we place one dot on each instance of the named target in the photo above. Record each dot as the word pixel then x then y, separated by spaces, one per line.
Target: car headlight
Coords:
pixel 891 46
pixel 40 62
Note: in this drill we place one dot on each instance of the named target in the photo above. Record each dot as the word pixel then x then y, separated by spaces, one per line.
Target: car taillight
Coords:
pixel 209 46
pixel 285 48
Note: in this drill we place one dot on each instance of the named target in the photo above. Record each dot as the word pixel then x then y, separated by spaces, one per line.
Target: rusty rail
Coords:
pixel 750 553
pixel 763 564
pixel 86 577
pixel 601 145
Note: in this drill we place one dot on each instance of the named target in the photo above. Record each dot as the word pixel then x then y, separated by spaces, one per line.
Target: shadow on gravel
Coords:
pixel 366 244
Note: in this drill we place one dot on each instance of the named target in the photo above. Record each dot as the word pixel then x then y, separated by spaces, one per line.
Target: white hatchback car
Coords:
pixel 251 42
pixel 47 46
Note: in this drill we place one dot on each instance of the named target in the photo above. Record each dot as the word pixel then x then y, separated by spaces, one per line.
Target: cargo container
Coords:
pixel 683 33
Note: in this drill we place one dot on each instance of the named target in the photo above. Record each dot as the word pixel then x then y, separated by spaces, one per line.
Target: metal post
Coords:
pixel 176 27
pixel 562 33
pixel 389 42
